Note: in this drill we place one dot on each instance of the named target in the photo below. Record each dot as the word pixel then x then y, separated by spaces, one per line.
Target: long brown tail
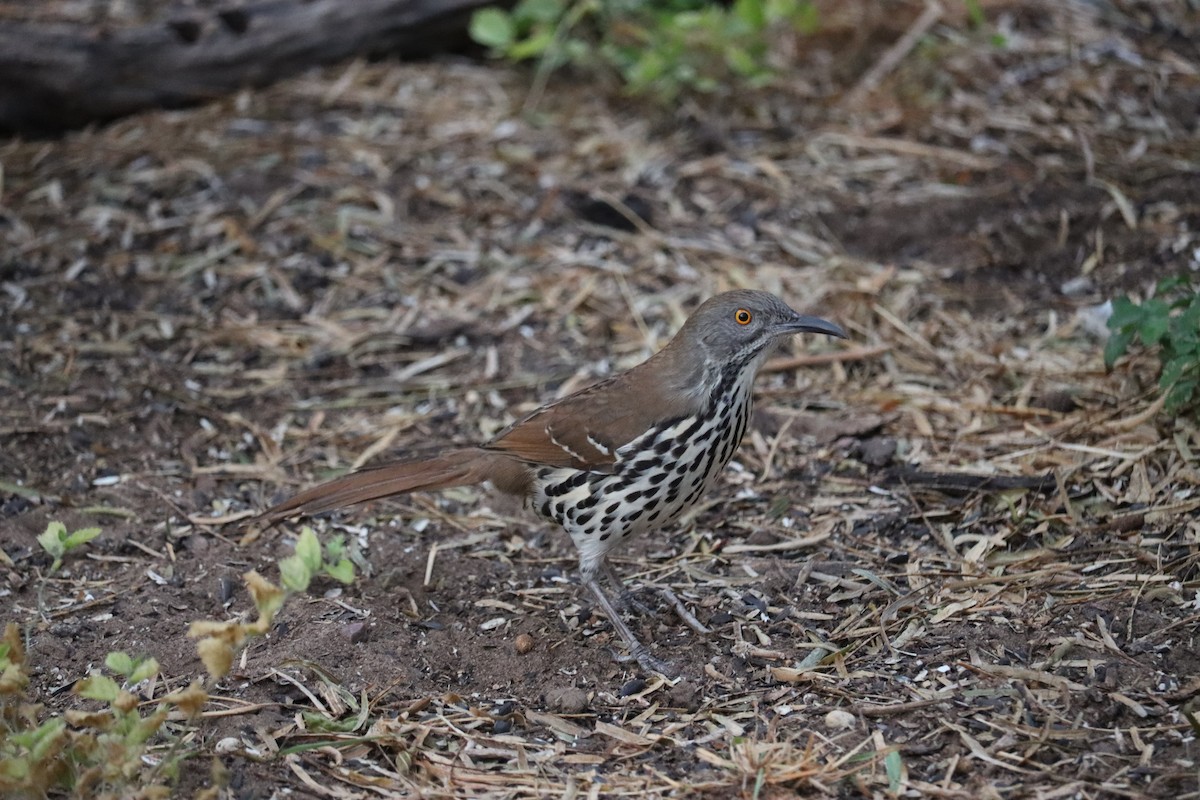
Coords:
pixel 455 468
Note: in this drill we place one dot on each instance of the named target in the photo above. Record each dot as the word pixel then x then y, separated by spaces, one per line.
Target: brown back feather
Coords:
pixel 584 430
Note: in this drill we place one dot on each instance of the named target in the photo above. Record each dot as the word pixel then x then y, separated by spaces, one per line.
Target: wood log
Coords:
pixel 55 77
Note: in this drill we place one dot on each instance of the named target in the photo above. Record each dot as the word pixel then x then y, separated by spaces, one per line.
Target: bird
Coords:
pixel 624 456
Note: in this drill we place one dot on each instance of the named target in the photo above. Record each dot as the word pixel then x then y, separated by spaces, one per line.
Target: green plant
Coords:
pixel 1169 320
pixel 57 542
pixel 219 641
pixel 659 47
pixel 104 753
pixel 297 571
pixel 978 22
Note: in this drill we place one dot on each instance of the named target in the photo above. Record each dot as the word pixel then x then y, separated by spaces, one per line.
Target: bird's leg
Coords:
pixel 637 650
pixel 625 596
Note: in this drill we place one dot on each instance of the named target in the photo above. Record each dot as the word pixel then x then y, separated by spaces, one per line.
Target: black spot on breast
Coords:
pixel 655 515
pixel 635 515
pixel 690 431
pixel 673 486
pixel 654 462
pixel 657 478
pixel 712 456
pixel 545 509
pixel 584 519
pixel 741 429
pixel 672 496
pixel 604 536
pixel 663 446
pixel 589 501
pixel 634 496
pixel 612 508
pixel 607 521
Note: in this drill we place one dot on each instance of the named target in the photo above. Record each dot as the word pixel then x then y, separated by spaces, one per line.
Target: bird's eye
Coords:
pixel 742 316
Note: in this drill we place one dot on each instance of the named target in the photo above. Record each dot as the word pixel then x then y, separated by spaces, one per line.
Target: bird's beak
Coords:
pixel 802 323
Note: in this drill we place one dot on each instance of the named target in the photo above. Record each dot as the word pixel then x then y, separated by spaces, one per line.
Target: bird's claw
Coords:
pixel 646 661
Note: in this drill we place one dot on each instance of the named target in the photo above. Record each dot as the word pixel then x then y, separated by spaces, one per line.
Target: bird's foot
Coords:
pixel 627 601
pixel 637 650
pixel 648 662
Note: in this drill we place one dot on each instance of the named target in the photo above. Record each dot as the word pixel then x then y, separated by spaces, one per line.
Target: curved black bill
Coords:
pixel 802 323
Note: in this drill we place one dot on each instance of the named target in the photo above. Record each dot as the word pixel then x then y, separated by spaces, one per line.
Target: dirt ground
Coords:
pixel 954 557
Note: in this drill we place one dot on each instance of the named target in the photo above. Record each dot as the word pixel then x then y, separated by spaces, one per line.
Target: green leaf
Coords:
pixel 295 574
pixel 120 663
pixel 550 11
pixel 146 727
pixel 1172 285
pixel 808 19
pixel 752 13
pixel 534 45
pixel 320 722
pixel 646 70
pixel 144 670
pixel 1172 372
pixel 52 538
pixel 492 28
pixel 335 548
pixel 1182 395
pixel 1156 320
pixel 741 62
pixel 342 571
pixel 1125 314
pixel 975 14
pixel 1185 326
pixel 893 764
pixel 308 549
pixel 80 537
pixel 46 738
pixel 1117 346
pixel 98 687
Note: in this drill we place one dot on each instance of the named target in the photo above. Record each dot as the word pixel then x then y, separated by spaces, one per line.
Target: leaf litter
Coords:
pixel 953 557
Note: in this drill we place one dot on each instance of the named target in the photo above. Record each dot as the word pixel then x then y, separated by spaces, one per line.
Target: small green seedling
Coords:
pixel 104 753
pixel 57 542
pixel 219 641
pixel 297 571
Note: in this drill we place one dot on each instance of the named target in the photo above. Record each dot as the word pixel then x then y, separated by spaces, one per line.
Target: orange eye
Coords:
pixel 742 317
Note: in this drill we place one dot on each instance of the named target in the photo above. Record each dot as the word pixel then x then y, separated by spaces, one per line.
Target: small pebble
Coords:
pixel 229 744
pixel 762 536
pixel 838 719
pixel 686 694
pixel 356 632
pixel 524 643
pixel 569 700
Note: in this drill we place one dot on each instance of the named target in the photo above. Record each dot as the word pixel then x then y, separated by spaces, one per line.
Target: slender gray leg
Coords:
pixel 637 650
pixel 625 596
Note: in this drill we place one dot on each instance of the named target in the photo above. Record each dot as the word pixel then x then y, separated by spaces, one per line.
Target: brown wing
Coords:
pixel 585 430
